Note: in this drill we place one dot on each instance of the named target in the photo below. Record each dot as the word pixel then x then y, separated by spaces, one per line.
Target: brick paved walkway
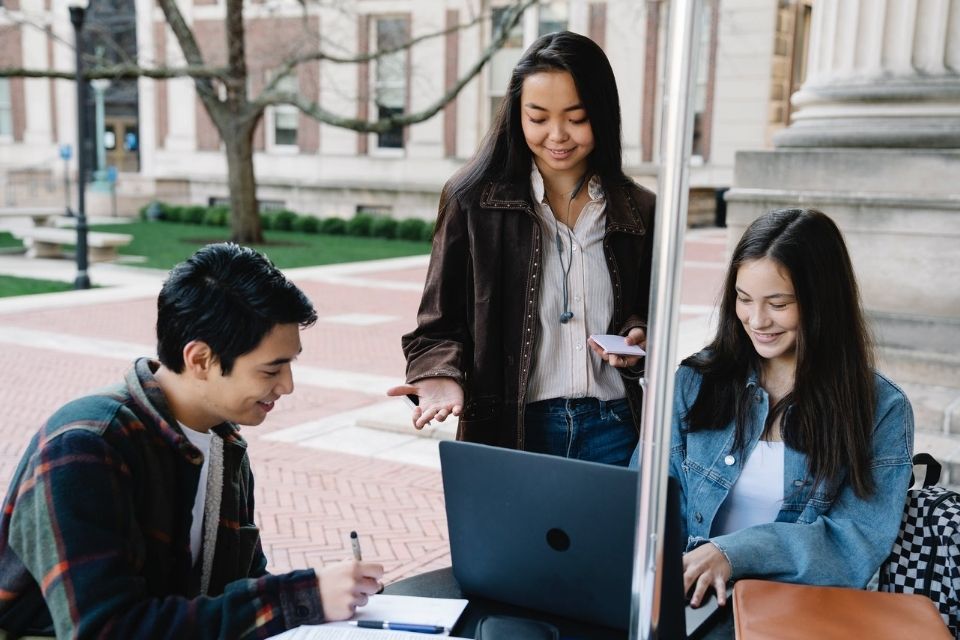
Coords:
pixel 332 457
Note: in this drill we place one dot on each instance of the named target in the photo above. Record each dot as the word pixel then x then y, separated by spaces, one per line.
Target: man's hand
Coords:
pixel 344 586
pixel 706 567
pixel 439 398
pixel 636 336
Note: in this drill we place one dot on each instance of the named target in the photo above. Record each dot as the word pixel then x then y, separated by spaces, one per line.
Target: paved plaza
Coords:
pixel 334 456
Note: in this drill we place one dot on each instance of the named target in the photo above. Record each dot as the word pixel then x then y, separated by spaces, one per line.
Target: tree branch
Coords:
pixel 314 56
pixel 191 52
pixel 312 109
pixel 118 72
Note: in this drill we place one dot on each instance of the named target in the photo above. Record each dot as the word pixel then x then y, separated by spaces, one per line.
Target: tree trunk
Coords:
pixel 244 216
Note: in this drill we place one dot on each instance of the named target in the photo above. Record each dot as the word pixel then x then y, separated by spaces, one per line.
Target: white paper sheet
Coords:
pixel 442 612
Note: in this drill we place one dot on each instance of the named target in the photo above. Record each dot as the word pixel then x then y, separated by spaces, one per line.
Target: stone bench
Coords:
pixel 40 215
pixel 45 242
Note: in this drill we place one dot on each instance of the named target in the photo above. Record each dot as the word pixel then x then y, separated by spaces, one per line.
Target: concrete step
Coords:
pixel 936 408
pixel 924 367
pixel 946 449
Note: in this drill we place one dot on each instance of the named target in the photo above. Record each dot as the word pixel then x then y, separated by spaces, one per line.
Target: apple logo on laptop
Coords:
pixel 558 539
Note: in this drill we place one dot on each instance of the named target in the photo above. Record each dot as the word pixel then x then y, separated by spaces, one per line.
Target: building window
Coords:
pixel 553 17
pixel 504 60
pixel 286 117
pixel 515 37
pixel 702 98
pixel 6 109
pixel 390 77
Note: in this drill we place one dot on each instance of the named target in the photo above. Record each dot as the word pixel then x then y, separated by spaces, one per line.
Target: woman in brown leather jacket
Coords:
pixel 541 242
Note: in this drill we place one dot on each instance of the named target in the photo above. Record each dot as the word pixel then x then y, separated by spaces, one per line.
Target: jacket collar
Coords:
pixel 145 390
pixel 623 213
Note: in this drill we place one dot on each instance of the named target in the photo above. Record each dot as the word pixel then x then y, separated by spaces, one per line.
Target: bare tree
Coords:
pixel 224 91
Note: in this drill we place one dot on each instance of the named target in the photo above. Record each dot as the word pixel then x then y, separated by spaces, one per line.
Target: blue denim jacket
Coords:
pixel 827 538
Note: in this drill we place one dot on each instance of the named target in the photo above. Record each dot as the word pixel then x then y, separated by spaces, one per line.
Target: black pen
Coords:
pixel 355 543
pixel 398 626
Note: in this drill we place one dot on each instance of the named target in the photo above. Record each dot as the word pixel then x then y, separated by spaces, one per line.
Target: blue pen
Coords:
pixel 399 626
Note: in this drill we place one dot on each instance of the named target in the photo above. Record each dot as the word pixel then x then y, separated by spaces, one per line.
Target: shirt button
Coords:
pixel 698 517
pixel 577 298
pixel 758 398
pixel 579 347
pixel 729 460
pixel 798 482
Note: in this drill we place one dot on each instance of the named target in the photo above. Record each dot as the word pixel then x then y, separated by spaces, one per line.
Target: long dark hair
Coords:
pixel 829 414
pixel 504 154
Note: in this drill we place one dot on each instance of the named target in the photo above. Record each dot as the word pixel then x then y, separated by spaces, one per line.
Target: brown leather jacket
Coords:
pixel 477 321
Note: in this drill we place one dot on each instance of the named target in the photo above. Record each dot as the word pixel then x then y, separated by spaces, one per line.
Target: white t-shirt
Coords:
pixel 202 442
pixel 757 496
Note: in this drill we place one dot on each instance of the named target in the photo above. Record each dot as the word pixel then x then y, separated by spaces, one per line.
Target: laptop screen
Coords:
pixel 542 532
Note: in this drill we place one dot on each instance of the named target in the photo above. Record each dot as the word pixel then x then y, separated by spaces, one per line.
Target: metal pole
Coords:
pixel 66 186
pixel 99 87
pixel 83 280
pixel 671 222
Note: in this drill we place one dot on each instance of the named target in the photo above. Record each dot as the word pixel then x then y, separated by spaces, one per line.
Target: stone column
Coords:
pixel 875 144
pixel 881 73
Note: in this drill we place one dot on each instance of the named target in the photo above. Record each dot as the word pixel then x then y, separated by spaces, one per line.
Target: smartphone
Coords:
pixel 412 399
pixel 617 345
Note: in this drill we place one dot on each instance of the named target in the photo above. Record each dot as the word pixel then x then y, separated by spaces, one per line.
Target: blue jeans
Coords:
pixel 581 428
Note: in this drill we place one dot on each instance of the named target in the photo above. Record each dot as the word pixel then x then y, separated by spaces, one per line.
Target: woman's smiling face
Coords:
pixel 768 310
pixel 555 124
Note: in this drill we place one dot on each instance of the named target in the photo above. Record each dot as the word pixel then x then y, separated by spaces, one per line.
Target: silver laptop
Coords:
pixel 552 534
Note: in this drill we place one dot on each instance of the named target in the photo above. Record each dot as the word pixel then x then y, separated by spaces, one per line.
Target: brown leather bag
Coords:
pixel 765 610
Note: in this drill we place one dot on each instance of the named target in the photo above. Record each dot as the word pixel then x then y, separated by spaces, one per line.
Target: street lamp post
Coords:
pixel 77 12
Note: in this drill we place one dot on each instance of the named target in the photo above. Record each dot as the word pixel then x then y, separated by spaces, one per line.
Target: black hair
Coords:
pixel 829 413
pixel 229 297
pixel 504 154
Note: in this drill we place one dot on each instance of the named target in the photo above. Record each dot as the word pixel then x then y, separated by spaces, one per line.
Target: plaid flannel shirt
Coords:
pixel 94 534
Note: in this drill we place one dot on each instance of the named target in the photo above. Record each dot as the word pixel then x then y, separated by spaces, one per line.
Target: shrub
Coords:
pixel 333 226
pixel 384 228
pixel 428 229
pixel 266 221
pixel 306 224
pixel 218 216
pixel 193 214
pixel 153 210
pixel 173 213
pixel 411 229
pixel 360 224
pixel 282 220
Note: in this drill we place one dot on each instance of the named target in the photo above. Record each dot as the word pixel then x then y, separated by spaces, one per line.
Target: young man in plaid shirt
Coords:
pixel 131 512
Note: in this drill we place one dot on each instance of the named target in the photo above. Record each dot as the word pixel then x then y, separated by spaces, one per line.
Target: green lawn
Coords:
pixel 164 244
pixel 11 286
pixel 7 240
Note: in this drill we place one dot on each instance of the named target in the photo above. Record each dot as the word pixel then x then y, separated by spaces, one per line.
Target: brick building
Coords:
pixel 163 143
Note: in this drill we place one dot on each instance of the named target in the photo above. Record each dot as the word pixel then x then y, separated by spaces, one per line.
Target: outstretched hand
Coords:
pixel 636 336
pixel 346 585
pixel 706 567
pixel 439 398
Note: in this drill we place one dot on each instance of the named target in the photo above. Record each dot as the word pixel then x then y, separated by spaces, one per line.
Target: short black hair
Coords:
pixel 229 297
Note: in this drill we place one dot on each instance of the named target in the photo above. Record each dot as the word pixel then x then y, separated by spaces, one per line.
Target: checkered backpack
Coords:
pixel 926 556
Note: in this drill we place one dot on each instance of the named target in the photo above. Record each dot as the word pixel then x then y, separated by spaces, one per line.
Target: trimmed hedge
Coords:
pixel 384 228
pixel 333 226
pixel 361 224
pixel 411 229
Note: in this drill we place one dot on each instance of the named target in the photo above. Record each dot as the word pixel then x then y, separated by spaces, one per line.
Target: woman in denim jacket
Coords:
pixel 793 455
